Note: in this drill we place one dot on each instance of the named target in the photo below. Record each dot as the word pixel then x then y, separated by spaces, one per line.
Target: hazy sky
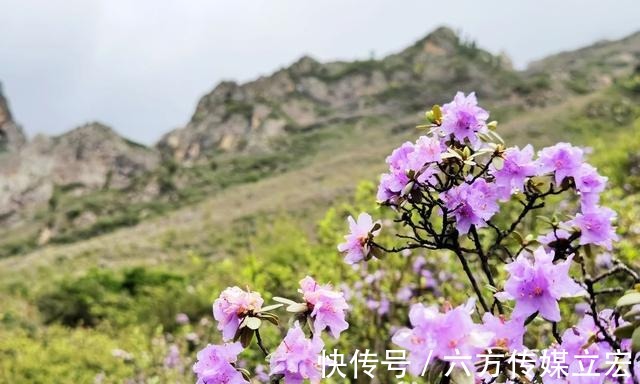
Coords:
pixel 141 65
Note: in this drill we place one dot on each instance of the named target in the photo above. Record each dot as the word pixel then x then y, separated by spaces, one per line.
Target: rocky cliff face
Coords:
pixel 11 136
pixel 247 117
pixel 87 158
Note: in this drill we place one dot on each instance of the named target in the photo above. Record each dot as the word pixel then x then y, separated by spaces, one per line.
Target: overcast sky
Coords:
pixel 141 65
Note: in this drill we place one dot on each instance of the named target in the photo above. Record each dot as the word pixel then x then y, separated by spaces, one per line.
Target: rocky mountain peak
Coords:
pixel 245 117
pixel 90 157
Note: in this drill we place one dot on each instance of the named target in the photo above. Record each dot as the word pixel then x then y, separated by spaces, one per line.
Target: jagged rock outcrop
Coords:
pixel 246 117
pixel 87 158
pixel 12 137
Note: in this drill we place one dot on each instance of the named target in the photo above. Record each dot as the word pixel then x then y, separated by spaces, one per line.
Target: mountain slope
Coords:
pixel 55 190
pixel 587 69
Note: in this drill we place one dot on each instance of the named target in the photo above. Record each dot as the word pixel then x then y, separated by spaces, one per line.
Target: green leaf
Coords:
pixel 498 162
pixel 624 332
pixel 270 317
pixel 632 298
pixel 632 314
pixel 253 322
pixel 437 113
pixel 246 336
pixel 455 153
pixel 544 219
pixel 430 116
pixel 635 340
pixel 270 307
pixel 449 155
pixel 283 300
pixel 518 237
pixel 297 307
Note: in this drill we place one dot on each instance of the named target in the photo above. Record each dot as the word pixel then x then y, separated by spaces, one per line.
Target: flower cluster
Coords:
pixel 240 315
pixel 233 305
pixel 436 334
pixel 215 364
pixel 328 307
pixel 357 245
pixel 459 189
pixel 536 283
pixel 296 359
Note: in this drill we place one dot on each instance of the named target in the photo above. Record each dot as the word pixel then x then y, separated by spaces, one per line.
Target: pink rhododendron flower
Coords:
pixel 589 183
pixel 595 226
pixel 445 334
pixel 562 159
pixel 409 159
pixel 472 204
pixel 518 165
pixel 214 365
pixel 296 358
pixel 554 236
pixel 536 284
pixel 426 150
pixel 580 340
pixel 507 334
pixel 328 307
pixel 357 245
pixel 232 306
pixel 463 118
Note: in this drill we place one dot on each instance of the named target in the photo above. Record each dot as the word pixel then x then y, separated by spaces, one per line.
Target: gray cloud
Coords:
pixel 140 66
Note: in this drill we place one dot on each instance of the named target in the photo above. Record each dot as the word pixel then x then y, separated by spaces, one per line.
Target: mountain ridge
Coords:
pixel 243 132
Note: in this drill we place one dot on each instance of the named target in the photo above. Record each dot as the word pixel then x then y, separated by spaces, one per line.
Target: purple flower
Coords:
pixel 383 307
pixel 232 306
pixel 579 340
pixel 463 119
pixel 507 334
pixel 604 260
pixel 419 340
pixel 328 307
pixel 261 374
pixel 471 204
pixel 409 162
pixel 426 150
pixel 215 364
pixel 595 226
pixel 182 318
pixel 172 360
pixel 589 182
pixel 518 165
pixel 418 264
pixel 553 236
pixel 537 285
pixel 443 333
pixel 297 357
pixel 405 294
pixel 399 158
pixel 357 244
pixel 563 159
